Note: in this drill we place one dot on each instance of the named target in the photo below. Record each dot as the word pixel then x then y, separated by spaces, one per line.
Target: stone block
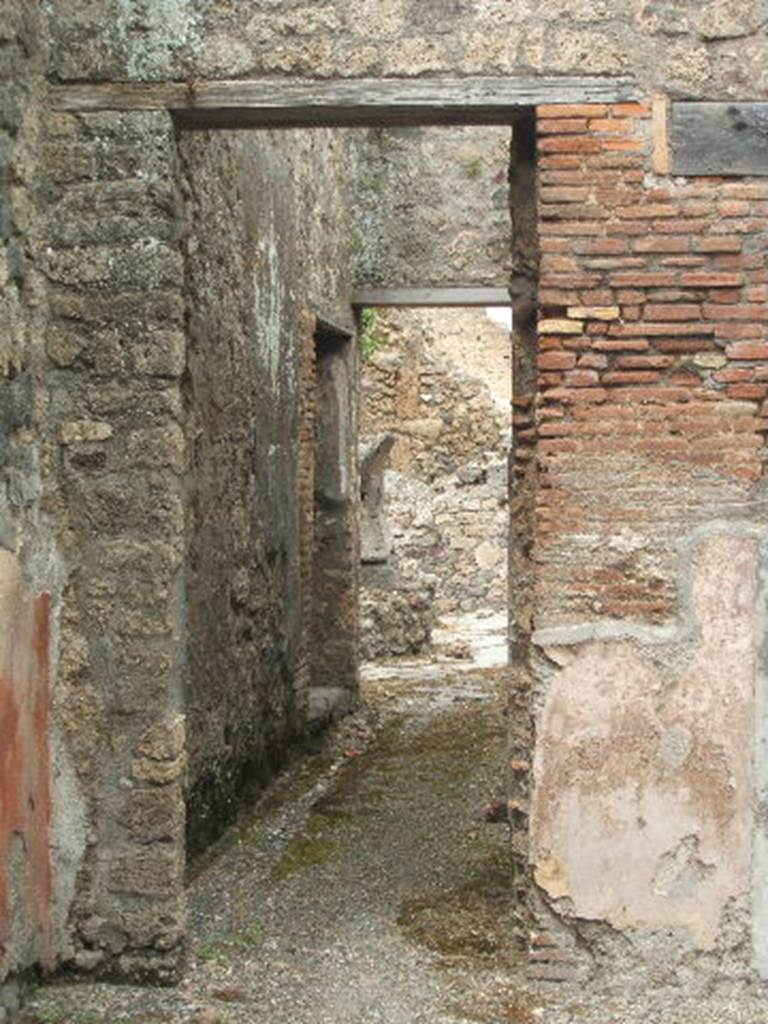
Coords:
pixel 158 773
pixel 429 429
pixel 111 506
pixel 593 312
pixel 146 871
pixel 131 310
pixel 79 431
pixel 164 741
pixel 89 959
pixel 160 926
pixel 144 264
pixel 128 213
pixel 134 401
pixel 155 814
pixel 709 360
pixel 561 327
pixel 154 447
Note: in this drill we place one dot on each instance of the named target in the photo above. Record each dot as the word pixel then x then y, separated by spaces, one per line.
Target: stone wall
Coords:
pixel 431 207
pixel 710 49
pixel 264 255
pixel 115 345
pixel 449 540
pixel 439 381
pixel 122 444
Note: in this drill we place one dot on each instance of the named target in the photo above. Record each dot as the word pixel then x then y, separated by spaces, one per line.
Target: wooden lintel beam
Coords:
pixel 719 138
pixel 347 102
pixel 404 297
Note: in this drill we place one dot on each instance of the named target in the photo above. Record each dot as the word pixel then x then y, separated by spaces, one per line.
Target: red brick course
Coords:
pixel 653 420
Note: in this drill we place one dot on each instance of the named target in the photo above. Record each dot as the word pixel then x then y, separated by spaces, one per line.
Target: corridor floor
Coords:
pixel 366 887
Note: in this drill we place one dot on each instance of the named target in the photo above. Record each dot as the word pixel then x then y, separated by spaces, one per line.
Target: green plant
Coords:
pixel 473 167
pixel 370 341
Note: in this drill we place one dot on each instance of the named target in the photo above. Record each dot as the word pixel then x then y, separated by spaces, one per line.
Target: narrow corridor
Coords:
pixel 366 886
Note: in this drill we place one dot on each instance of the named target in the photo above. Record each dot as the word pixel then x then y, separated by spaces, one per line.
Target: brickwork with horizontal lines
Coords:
pixel 651 410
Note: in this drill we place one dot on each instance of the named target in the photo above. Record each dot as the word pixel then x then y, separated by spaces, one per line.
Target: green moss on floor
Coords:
pixel 469 920
pixel 53 1014
pixel 292 785
pixel 304 851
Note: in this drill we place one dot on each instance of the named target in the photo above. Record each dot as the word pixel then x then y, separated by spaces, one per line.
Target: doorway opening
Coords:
pixel 435 396
pixel 329 521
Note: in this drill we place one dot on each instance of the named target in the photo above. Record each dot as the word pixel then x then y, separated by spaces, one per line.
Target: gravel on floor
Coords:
pixel 365 886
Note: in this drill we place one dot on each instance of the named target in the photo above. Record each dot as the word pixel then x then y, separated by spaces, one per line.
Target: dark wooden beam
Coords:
pixel 719 138
pixel 346 102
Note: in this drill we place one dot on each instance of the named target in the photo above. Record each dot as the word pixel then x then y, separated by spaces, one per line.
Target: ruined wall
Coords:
pixel 449 540
pixel 265 253
pixel 116 352
pixel 150 449
pixel 710 49
pixel 90 512
pixel 113 501
pixel 439 383
pixel 93 486
pixel 651 423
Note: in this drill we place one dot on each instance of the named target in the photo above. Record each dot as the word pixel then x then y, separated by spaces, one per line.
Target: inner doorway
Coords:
pixel 435 398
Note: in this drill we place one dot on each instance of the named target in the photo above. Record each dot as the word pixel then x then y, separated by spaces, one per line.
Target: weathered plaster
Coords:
pixel 642 804
pixel 760 806
pixel 26 867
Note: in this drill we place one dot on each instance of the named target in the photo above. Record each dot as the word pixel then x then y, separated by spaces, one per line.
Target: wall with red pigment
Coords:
pixel 649 423
pixel 25 773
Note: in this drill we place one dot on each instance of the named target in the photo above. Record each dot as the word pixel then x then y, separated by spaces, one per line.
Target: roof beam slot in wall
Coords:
pixel 339 103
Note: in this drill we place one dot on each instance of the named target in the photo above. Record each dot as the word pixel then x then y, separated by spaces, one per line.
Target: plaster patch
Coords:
pixel 269 299
pixel 675 745
pixel 681 871
pixel 642 792
pixel 551 875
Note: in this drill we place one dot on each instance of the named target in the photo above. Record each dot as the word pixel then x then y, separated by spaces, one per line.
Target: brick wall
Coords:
pixel 653 360
pixel 646 431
